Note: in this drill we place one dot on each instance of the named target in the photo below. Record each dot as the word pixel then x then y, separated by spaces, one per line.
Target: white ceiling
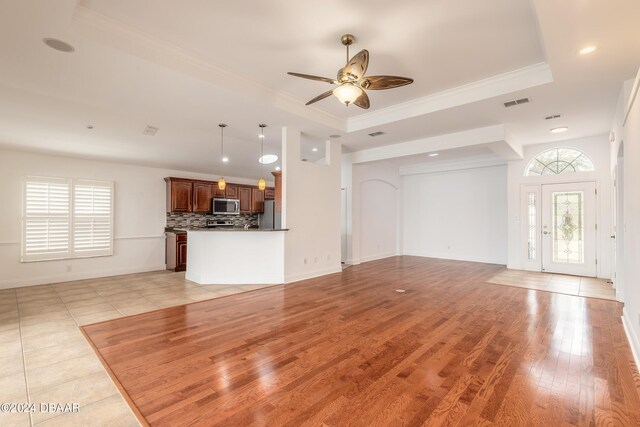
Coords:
pixel 187 66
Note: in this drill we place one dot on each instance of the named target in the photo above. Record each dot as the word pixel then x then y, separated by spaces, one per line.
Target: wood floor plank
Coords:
pixel 346 349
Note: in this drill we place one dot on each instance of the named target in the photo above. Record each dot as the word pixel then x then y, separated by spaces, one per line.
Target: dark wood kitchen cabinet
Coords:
pixel 231 192
pixel 179 195
pixel 269 193
pixel 189 195
pixel 244 194
pixel 176 251
pixel 202 195
pixel 257 200
pixel 217 193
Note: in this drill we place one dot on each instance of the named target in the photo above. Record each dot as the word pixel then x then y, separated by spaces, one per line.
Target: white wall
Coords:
pixel 377 189
pixel 310 209
pixel 139 218
pixel 374 217
pixel 458 214
pixel 627 130
pixel 597 148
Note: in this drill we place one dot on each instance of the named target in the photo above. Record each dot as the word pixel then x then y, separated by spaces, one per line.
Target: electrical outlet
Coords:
pixel 69 267
pixel 305 261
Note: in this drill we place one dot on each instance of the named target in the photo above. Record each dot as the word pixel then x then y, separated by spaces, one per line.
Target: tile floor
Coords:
pixel 559 283
pixel 44 357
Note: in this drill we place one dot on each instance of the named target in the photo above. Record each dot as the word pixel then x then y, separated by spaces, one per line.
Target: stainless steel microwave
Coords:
pixel 226 206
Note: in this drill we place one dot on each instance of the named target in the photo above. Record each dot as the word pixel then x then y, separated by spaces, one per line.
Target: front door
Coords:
pixel 569 228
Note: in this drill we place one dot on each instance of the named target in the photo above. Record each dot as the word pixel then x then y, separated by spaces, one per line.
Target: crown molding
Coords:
pixel 502 84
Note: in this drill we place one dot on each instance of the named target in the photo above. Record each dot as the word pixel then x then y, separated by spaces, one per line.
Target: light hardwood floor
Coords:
pixel 45 358
pixel 346 349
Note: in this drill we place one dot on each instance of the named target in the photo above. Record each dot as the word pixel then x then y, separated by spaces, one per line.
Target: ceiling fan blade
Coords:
pixel 320 97
pixel 384 82
pixel 362 101
pixel 356 67
pixel 310 77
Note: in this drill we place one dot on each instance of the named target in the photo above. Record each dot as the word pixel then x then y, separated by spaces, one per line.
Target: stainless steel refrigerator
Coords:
pixel 269 219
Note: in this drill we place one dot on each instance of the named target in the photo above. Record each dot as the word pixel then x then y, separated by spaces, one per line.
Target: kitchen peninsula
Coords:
pixel 221 248
pixel 235 257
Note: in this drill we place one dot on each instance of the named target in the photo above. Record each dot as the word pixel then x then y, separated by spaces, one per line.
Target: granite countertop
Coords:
pixel 180 230
pixel 237 229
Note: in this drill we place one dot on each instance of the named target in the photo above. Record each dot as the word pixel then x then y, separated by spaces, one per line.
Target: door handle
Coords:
pixel 613 236
pixel 546 232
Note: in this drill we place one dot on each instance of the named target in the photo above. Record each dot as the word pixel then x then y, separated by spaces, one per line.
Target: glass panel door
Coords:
pixel 569 228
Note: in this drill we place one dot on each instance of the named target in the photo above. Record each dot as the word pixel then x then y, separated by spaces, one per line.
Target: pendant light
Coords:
pixel 262 184
pixel 221 182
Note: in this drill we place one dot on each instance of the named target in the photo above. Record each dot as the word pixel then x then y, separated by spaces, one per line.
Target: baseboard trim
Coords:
pixel 68 277
pixel 312 274
pixel 455 257
pixel 377 256
pixel 633 339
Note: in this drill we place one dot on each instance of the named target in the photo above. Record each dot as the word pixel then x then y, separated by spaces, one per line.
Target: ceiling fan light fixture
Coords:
pixel 347 93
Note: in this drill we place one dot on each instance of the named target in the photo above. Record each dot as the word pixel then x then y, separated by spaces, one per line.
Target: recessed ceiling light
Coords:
pixel 261 136
pixel 277 168
pixel 58 45
pixel 225 159
pixel 587 50
pixel 560 129
pixel 314 149
pixel 267 159
pixel 434 154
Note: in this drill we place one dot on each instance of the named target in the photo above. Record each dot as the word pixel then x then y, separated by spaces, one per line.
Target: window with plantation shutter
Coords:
pixel 65 218
pixel 47 219
pixel 92 219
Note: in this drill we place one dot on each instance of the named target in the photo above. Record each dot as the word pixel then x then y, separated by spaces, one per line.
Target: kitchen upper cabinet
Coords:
pixel 217 193
pixel 231 192
pixel 186 195
pixel 202 195
pixel 257 200
pixel 244 194
pixel 269 193
pixel 179 195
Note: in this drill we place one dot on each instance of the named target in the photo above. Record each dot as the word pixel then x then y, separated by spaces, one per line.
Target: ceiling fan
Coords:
pixel 351 81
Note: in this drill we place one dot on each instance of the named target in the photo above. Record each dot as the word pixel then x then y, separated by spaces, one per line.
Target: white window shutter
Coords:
pixel 93 218
pixel 46 219
pixel 64 218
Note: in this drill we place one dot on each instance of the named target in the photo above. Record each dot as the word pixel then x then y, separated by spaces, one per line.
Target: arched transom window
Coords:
pixel 559 160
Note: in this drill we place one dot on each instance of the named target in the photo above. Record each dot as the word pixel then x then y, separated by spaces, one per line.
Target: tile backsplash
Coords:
pixel 178 219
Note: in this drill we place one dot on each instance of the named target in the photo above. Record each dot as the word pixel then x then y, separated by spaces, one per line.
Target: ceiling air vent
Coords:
pixel 516 102
pixel 376 133
pixel 150 130
pixel 555 116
